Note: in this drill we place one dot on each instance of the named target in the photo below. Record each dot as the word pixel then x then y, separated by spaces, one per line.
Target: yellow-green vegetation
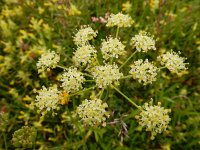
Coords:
pixel 99 74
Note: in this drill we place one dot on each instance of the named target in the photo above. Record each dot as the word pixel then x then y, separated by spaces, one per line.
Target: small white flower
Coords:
pixel 84 54
pixel 92 112
pixel 85 34
pixel 154 118
pixel 47 99
pixel 173 62
pixel 112 47
pixel 119 20
pixel 47 60
pixel 144 71
pixel 143 42
pixel 72 80
pixel 106 75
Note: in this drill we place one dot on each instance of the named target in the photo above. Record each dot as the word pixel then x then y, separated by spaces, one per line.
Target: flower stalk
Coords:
pixel 134 104
pixel 128 59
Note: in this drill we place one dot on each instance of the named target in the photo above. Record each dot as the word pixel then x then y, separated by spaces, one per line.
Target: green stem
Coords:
pixel 127 98
pixel 101 93
pixel 107 92
pixel 87 136
pixel 89 80
pixel 128 59
pixel 4 137
pixel 162 68
pixel 62 67
pixel 34 143
pixel 111 60
pixel 97 60
pixel 88 75
pixel 117 33
pixel 79 92
pixel 126 77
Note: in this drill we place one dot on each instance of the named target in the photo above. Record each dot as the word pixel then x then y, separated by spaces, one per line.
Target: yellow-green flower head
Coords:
pixel 106 75
pixel 154 118
pixel 47 60
pixel 72 80
pixel 144 71
pixel 119 20
pixel 143 42
pixel 127 6
pixel 84 54
pixel 154 4
pixel 173 62
pixel 4 120
pixel 24 137
pixel 73 10
pixel 92 112
pixel 85 34
pixel 47 99
pixel 112 47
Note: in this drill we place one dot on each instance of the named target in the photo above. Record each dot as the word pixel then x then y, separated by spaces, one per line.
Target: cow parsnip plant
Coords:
pixel 105 74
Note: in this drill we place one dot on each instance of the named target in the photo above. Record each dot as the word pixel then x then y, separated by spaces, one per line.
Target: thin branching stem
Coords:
pixel 79 92
pixel 4 137
pixel 88 75
pixel 101 93
pixel 126 97
pixel 126 77
pixel 128 59
pixel 117 33
pixel 89 81
pixel 97 60
pixel 62 67
pixel 162 67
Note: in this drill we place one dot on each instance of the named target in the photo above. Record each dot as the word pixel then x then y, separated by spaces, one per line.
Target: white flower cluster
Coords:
pixel 154 118
pixel 84 54
pixel 47 99
pixel 173 62
pixel 119 20
pixel 92 112
pixel 143 42
pixel 47 60
pixel 112 48
pixel 144 71
pixel 84 35
pixel 106 75
pixel 72 80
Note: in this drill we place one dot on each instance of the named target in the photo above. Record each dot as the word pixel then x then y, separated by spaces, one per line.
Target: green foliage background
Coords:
pixel 175 25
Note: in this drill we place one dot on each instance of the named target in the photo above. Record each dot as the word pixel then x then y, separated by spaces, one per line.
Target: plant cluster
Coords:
pixel 105 73
pixel 99 74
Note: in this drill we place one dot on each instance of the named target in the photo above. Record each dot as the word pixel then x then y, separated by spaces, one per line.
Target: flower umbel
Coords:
pixel 144 71
pixel 92 112
pixel 106 75
pixel 119 20
pixel 154 118
pixel 112 47
pixel 85 34
pixel 24 137
pixel 4 120
pixel 47 99
pixel 47 60
pixel 72 80
pixel 143 42
pixel 173 62
pixel 83 55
